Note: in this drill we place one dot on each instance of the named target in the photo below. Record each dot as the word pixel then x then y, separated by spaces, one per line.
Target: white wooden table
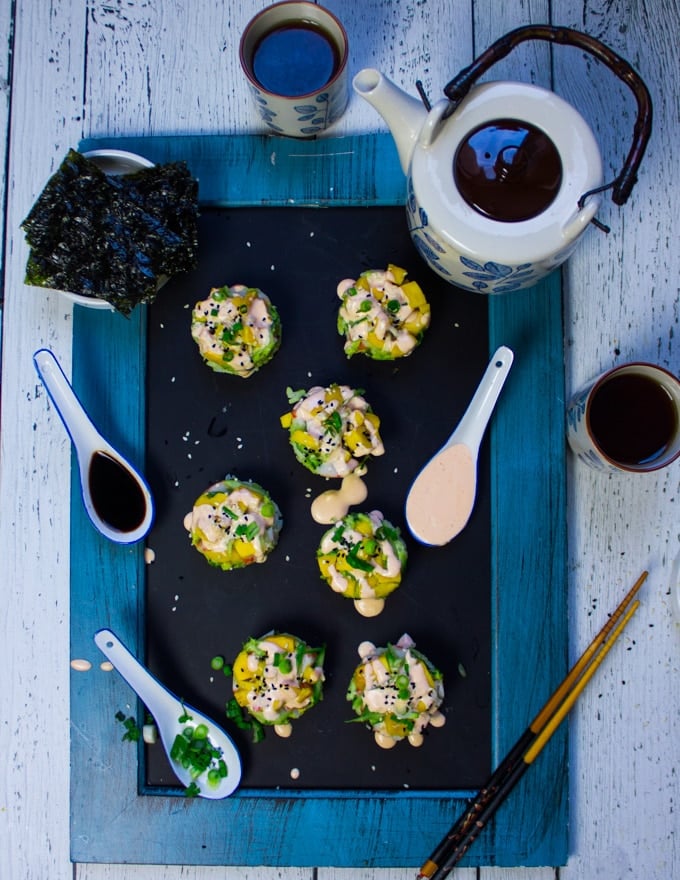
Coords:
pixel 72 69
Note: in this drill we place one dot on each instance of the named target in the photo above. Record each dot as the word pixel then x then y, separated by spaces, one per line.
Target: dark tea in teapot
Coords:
pixel 508 170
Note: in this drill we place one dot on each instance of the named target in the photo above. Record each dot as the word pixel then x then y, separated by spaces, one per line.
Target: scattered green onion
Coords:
pixel 334 422
pixel 355 560
pixel 295 396
pixel 132 730
pixel 244 721
pixel 193 750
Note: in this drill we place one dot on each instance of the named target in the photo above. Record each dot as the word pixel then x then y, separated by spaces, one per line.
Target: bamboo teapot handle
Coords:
pixel 461 84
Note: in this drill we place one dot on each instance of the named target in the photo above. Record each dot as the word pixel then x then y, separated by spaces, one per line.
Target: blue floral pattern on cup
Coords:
pixel 578 435
pixel 313 117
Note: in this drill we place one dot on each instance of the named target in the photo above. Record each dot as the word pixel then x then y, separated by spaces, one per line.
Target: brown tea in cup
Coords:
pixel 294 56
pixel 627 420
pixel 295 59
pixel 633 419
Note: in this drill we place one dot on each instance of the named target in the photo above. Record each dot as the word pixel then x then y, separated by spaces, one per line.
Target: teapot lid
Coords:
pixel 508 170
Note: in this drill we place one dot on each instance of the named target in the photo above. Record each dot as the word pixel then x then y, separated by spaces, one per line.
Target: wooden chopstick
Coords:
pixel 527 748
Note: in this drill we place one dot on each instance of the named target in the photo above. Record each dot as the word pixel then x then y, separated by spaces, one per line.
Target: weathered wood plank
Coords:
pixel 6 47
pixel 46 104
pixel 624 304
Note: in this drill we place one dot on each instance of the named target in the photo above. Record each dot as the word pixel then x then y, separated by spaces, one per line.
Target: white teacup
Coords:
pixel 294 55
pixel 627 420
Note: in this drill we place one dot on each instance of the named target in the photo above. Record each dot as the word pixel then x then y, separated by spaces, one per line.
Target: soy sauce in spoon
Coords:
pixel 116 497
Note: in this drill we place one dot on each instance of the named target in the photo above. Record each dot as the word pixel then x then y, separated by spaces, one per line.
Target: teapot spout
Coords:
pixel 404 114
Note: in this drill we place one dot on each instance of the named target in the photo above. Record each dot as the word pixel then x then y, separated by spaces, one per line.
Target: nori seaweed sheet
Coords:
pixel 112 236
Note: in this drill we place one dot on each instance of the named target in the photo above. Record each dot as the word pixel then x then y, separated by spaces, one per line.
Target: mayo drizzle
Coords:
pixel 369 607
pixel 332 505
pixel 81 665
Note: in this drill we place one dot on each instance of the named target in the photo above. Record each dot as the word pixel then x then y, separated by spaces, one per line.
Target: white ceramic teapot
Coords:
pixel 503 178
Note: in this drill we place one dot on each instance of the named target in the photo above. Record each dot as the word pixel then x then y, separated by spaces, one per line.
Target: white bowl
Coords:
pixel 113 162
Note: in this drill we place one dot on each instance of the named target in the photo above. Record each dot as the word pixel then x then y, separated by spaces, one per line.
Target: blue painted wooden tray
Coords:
pixel 114 817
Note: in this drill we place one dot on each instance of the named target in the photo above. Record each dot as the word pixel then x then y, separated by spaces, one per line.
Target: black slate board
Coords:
pixel 202 425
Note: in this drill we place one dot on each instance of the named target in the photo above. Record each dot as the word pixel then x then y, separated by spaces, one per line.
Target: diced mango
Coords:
pixel 397 273
pixel 373 419
pixel 215 356
pixel 364 526
pixel 302 438
pixel 357 440
pixel 217 557
pixel 286 420
pixel 303 694
pixel 212 499
pixel 341 564
pixel 244 549
pixel 243 676
pixel 416 323
pixel 395 728
pixel 414 295
pixel 283 641
pixel 333 394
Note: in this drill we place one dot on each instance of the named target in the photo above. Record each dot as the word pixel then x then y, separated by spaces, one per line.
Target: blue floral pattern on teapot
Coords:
pixel 487 277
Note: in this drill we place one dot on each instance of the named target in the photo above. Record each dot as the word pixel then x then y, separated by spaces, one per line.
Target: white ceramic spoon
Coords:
pixel 116 497
pixel 442 496
pixel 167 710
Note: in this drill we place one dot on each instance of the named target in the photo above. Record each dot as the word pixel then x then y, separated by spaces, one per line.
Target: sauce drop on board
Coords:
pixel 295 59
pixel 633 418
pixel 333 504
pixel 369 607
pixel 116 495
pixel 441 499
pixel 81 665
